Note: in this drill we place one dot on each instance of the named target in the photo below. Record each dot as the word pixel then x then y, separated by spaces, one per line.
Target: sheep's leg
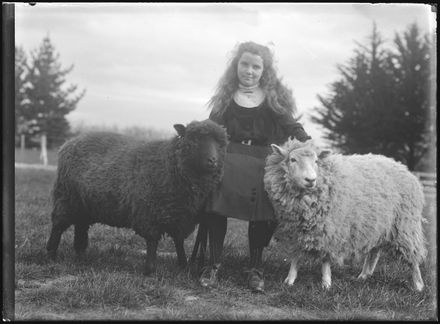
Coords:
pixel 200 246
pixel 81 238
pixel 216 239
pixel 197 243
pixel 214 232
pixel 326 275
pixel 58 228
pixel 374 258
pixel 417 277
pixel 203 242
pixel 181 255
pixel 364 274
pixel 150 261
pixel 293 271
pixel 369 264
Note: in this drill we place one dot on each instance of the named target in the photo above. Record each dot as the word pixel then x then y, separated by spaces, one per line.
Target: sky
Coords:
pixel 157 64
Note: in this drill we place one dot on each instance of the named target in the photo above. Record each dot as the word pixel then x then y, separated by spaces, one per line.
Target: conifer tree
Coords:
pixel 50 100
pixel 379 104
pixel 409 65
pixel 21 127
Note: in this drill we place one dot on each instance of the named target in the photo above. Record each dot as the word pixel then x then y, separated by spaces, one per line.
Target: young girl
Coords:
pixel 256 109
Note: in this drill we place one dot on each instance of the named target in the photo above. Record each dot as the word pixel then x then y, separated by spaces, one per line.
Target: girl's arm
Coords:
pixel 292 127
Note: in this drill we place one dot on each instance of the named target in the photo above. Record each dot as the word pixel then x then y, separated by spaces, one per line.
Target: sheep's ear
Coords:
pixel 180 129
pixel 324 153
pixel 278 150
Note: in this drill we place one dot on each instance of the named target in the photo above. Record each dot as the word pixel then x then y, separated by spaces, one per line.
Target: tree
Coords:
pixel 378 105
pixel 21 127
pixel 411 71
pixel 50 100
pixel 352 114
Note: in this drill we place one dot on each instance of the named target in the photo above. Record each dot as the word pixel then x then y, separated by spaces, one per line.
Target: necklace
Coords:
pixel 249 97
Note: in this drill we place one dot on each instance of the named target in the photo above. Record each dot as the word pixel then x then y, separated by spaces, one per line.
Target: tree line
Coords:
pixel 380 103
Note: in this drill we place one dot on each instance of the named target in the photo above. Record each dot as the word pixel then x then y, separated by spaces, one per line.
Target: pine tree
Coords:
pixel 379 104
pixel 21 101
pixel 49 99
pixel 353 114
pixel 411 72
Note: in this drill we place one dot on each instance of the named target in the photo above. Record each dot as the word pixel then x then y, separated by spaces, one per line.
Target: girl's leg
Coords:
pixel 260 233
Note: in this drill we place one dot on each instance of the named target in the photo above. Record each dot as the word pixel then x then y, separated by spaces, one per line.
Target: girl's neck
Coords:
pixel 243 87
pixel 249 97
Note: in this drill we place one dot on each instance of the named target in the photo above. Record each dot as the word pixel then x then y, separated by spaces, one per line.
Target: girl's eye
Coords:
pixel 292 160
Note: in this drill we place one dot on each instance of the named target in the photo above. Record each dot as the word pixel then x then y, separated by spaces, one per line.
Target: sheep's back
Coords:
pixel 365 195
pixel 372 180
pixel 109 174
pixel 102 159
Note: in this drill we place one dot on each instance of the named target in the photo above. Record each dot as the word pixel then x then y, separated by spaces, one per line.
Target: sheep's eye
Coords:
pixel 292 160
pixel 316 161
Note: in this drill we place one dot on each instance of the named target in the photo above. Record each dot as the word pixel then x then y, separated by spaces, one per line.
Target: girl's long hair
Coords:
pixel 279 96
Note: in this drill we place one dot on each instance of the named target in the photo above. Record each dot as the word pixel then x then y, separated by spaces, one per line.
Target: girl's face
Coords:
pixel 249 69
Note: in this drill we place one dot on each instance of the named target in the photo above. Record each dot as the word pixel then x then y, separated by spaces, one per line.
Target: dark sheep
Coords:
pixel 152 187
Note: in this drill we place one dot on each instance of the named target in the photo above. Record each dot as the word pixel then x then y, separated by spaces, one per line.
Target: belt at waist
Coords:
pixel 257 151
pixel 251 142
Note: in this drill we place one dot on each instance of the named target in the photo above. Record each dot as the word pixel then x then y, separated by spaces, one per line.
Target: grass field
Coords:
pixel 32 156
pixel 108 283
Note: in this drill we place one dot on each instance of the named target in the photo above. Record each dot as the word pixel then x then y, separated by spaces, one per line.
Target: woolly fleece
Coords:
pixel 360 202
pixel 151 187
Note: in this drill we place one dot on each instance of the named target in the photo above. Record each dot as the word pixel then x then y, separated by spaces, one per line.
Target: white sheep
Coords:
pixel 334 206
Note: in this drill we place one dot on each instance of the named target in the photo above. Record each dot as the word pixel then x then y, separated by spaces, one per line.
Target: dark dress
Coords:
pixel 241 194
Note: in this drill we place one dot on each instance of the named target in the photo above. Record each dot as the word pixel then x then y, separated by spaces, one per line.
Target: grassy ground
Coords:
pixel 108 283
pixel 32 156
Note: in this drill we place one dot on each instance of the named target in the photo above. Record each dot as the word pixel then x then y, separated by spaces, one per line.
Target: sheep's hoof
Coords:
pixel 149 269
pixel 80 256
pixel 289 281
pixel 194 267
pixel 52 255
pixel 186 269
pixel 148 272
pixel 418 286
pixel 183 265
pixel 326 285
pixel 362 276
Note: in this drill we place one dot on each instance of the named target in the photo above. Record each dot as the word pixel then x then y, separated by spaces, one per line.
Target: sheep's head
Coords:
pixel 202 146
pixel 299 160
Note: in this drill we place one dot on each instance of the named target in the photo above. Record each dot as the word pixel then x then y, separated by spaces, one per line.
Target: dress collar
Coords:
pixel 249 97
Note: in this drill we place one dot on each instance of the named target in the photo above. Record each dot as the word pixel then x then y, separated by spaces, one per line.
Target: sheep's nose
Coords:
pixel 310 182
